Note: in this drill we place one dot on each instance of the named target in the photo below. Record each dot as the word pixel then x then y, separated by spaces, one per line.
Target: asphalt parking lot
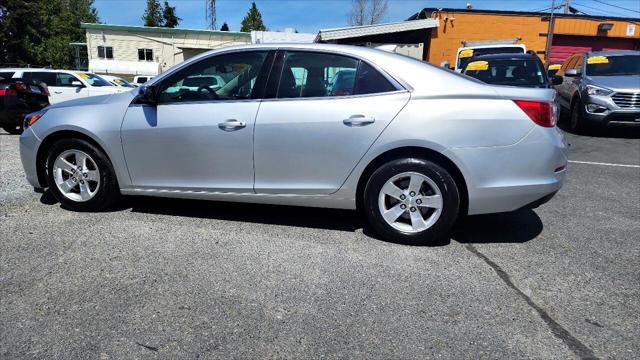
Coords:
pixel 190 279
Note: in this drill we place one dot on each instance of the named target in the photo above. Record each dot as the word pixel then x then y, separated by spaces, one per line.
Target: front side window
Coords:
pixel 223 77
pixel 105 52
pixel 66 80
pixel 145 54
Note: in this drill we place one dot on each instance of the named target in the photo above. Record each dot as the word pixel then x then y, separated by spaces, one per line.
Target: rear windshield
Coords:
pixel 463 61
pixel 613 65
pixel 510 72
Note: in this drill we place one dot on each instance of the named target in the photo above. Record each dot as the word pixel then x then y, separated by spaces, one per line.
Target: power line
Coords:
pixel 616 6
pixel 606 12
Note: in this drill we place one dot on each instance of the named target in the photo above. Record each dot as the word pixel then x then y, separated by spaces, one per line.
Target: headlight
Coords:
pixel 30 119
pixel 596 90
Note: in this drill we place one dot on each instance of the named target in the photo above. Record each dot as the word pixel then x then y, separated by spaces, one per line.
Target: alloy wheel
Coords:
pixel 410 202
pixel 76 175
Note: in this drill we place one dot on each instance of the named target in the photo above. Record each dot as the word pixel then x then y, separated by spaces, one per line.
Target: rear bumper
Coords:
pixel 507 178
pixel 29 144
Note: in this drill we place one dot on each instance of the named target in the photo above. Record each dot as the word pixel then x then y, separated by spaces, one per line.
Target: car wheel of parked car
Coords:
pixel 81 176
pixel 13 129
pixel 412 201
pixel 576 121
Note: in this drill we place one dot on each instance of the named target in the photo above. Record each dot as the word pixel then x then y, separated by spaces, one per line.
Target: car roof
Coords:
pixel 613 53
pixel 524 56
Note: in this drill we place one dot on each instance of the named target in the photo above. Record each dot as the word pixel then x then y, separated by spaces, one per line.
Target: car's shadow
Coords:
pixel 514 227
pixel 616 132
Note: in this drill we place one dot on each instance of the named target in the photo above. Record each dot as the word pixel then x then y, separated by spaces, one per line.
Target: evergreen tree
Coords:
pixel 169 16
pixel 153 14
pixel 225 27
pixel 39 31
pixel 253 20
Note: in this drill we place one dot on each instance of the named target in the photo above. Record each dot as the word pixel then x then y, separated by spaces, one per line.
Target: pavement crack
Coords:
pixel 578 348
pixel 152 348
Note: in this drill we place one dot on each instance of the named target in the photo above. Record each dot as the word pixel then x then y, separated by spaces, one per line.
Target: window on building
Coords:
pixel 105 52
pixel 145 54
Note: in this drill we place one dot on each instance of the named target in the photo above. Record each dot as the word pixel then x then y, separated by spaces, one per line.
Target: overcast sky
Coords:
pixel 312 15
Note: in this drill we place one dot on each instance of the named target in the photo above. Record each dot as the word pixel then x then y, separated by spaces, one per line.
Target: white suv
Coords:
pixel 65 84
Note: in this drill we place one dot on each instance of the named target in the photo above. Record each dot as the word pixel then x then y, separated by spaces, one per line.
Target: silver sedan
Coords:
pixel 411 145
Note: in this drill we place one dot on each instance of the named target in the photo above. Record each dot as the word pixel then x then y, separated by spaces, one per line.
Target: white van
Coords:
pixel 66 84
pixel 465 54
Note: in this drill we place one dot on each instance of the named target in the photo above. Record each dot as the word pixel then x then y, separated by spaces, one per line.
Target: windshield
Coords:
pixel 94 80
pixel 122 82
pixel 463 61
pixel 613 65
pixel 510 72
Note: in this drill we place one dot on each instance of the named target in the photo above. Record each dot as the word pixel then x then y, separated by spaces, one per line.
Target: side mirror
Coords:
pixel 147 95
pixel 77 83
pixel 556 80
pixel 572 73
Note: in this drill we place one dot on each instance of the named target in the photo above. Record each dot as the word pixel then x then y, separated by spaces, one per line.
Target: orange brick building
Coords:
pixel 572 33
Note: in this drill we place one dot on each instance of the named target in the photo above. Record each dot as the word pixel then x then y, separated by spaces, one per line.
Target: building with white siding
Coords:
pixel 128 51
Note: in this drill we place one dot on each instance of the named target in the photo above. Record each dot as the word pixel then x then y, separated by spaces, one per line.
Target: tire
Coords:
pixel 100 184
pixel 577 123
pixel 436 223
pixel 13 129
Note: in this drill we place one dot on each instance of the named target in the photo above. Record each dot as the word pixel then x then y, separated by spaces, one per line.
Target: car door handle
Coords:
pixel 359 120
pixel 231 125
pixel 58 92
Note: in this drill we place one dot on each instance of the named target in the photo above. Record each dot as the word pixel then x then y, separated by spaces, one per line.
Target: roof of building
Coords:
pixel 367 30
pixel 419 14
pixel 162 30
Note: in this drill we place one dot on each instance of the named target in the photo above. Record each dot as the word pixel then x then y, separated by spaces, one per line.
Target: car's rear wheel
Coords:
pixel 81 176
pixel 412 201
pixel 13 129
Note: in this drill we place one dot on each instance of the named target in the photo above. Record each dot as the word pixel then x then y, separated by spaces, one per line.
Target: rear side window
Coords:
pixel 48 78
pixel 7 74
pixel 371 81
pixel 310 74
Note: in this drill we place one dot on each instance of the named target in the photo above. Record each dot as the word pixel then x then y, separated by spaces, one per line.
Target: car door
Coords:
pixel 67 87
pixel 562 89
pixel 308 138
pixel 198 138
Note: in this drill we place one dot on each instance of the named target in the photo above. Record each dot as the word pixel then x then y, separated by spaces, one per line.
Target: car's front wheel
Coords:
pixel 576 122
pixel 80 176
pixel 412 201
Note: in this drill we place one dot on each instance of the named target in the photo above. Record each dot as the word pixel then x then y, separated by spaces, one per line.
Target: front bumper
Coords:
pixel 507 178
pixel 603 110
pixel 29 144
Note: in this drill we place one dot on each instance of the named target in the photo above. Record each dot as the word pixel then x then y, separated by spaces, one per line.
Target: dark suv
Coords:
pixel 601 88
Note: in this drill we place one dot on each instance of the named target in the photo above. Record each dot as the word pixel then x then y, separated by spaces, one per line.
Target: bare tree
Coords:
pixel 367 12
pixel 211 14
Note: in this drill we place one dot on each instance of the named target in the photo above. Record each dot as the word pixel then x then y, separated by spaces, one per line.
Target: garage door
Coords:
pixel 566 45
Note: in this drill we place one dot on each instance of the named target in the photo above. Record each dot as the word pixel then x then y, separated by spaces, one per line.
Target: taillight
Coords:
pixel 8 92
pixel 542 113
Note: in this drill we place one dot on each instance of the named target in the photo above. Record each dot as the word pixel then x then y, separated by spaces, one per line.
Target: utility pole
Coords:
pixel 566 6
pixel 547 50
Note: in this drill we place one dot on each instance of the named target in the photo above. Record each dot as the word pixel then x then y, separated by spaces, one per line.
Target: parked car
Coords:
pixel 65 84
pixel 524 70
pixel 412 145
pixel 17 99
pixel 343 82
pixel 601 88
pixel 465 54
pixel 552 69
pixel 118 81
pixel 141 79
